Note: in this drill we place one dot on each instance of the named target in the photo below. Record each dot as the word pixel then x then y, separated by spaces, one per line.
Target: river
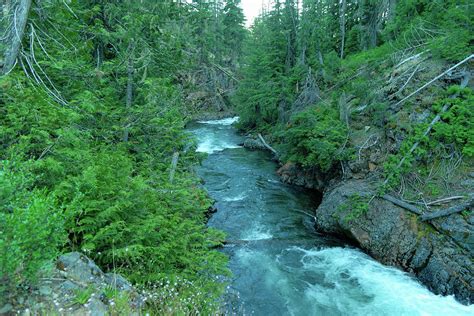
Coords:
pixel 280 265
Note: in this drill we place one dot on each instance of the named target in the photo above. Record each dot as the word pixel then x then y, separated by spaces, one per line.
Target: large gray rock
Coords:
pixel 396 237
pixel 118 281
pixel 78 267
pixel 459 228
pixel 254 144
pixel 78 276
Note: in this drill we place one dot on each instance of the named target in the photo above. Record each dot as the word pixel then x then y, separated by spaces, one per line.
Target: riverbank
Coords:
pixel 437 252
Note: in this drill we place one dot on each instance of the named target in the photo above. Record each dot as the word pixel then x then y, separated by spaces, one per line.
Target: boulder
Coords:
pixel 254 144
pixel 78 267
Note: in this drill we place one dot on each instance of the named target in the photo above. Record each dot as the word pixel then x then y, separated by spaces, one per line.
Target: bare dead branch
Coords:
pixel 450 210
pixel 266 145
pixel 435 79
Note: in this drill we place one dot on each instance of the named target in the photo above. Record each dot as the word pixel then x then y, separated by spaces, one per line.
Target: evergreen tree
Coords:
pixel 234 30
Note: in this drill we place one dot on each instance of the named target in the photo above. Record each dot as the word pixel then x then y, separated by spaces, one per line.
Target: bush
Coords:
pixel 31 231
pixel 454 130
pixel 315 138
pixel 457 124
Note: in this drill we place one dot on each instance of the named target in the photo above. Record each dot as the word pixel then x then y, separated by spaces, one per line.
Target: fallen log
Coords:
pixel 446 200
pixel 402 204
pixel 448 211
pixel 446 107
pixel 266 145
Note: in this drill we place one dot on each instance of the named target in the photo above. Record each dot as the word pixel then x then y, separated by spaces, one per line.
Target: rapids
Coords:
pixel 280 265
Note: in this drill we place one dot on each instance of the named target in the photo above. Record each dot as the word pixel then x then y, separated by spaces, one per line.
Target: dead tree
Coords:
pixel 14 20
pixel 342 20
pixel 450 210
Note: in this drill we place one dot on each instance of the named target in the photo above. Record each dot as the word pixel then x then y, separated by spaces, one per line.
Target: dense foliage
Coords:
pixel 93 115
pixel 313 68
pixel 315 138
pixel 89 122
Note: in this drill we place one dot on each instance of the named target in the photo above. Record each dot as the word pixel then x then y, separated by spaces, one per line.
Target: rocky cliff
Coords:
pixel 439 254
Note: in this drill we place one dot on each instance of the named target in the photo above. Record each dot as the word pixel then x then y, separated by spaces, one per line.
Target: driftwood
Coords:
pixel 266 145
pixel 448 211
pixel 402 204
pixel 437 214
pixel 445 200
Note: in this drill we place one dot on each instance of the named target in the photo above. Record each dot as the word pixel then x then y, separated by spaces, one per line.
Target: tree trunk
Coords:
pixel 174 164
pixel 321 62
pixel 129 95
pixel 11 39
pixel 342 16
pixel 392 5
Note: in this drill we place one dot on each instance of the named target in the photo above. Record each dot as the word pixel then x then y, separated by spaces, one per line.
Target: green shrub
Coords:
pixel 315 137
pixel 456 129
pixel 355 207
pixel 457 124
pixel 31 231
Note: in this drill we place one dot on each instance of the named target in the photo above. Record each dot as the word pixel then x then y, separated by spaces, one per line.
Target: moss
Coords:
pixel 355 207
pixel 424 230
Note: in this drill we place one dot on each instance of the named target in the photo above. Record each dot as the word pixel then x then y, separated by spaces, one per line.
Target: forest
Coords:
pixel 96 158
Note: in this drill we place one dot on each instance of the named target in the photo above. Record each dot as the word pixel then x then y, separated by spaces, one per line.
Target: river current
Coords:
pixel 280 265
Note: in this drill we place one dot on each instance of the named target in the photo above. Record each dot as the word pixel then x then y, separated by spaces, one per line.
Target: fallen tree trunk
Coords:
pixel 402 204
pixel 450 210
pixel 266 145
pixel 435 78
pixel 446 107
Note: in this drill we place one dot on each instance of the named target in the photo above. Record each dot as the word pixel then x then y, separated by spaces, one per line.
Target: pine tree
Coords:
pixel 234 30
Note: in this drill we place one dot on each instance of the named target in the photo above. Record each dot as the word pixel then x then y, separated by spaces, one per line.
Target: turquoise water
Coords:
pixel 280 265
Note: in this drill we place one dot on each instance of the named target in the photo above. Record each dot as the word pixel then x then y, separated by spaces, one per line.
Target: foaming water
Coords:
pixel 225 121
pixel 216 135
pixel 257 232
pixel 211 145
pixel 284 267
pixel 358 285
pixel 239 197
